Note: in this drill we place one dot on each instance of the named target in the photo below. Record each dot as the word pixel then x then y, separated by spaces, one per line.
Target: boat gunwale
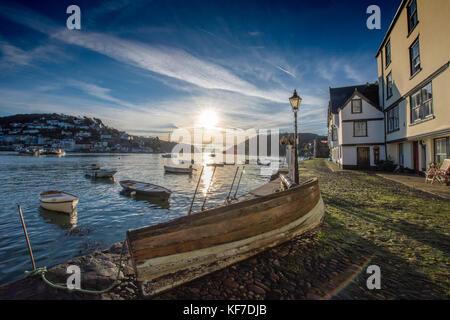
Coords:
pixel 49 192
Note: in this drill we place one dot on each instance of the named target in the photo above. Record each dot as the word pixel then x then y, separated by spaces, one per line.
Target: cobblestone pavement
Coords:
pixel 369 221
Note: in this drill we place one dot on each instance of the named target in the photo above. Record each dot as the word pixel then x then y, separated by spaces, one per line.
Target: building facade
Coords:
pixel 414 76
pixel 356 127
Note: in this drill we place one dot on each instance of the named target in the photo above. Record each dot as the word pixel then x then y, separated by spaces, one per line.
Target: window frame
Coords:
pixel 409 16
pixel 360 109
pixel 354 127
pixel 394 115
pixel 388 62
pixel 447 146
pixel 422 105
pixel 387 86
pixel 334 133
pixel 412 72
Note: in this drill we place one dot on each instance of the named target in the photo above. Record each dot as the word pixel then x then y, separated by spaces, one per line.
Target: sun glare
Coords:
pixel 208 119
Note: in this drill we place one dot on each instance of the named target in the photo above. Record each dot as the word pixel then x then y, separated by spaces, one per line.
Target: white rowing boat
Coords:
pixel 171 169
pixel 60 201
pixel 146 189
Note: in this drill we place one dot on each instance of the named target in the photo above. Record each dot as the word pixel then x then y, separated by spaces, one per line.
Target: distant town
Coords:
pixel 73 134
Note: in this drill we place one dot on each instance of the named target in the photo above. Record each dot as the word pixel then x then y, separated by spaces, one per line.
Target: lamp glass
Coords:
pixel 295 101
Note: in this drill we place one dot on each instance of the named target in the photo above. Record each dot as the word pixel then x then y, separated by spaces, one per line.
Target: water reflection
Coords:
pixel 63 220
pixel 154 202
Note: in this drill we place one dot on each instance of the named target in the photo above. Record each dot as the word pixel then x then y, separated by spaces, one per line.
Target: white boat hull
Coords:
pixel 66 207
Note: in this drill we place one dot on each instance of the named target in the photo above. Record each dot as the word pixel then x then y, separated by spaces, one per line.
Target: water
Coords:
pixel 103 213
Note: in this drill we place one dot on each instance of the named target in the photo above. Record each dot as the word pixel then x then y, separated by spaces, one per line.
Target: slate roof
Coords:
pixel 339 96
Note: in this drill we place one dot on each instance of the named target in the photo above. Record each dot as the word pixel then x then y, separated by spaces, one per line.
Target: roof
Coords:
pixel 339 96
pixel 397 15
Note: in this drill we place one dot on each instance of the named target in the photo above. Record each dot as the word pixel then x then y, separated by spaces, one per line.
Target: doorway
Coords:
pixel 363 157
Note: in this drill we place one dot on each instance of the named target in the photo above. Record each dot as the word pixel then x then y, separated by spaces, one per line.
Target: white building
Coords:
pixel 356 127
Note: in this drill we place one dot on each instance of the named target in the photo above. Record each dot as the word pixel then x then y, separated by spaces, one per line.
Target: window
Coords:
pixel 334 135
pixel 441 149
pixel 360 128
pixel 412 16
pixel 421 103
pixel 389 85
pixel 414 57
pixel 357 106
pixel 392 119
pixel 388 53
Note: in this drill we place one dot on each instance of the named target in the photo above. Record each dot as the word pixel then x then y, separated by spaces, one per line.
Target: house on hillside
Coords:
pixel 414 75
pixel 356 127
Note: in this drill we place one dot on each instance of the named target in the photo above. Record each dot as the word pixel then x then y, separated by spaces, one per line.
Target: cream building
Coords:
pixel 414 76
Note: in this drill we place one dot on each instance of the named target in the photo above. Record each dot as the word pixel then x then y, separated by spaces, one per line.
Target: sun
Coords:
pixel 207 119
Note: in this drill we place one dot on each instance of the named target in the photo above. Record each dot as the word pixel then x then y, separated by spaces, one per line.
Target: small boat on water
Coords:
pixel 172 169
pixel 60 201
pixel 145 189
pixel 97 172
pixel 175 252
pixel 30 151
pixel 54 152
pixel 169 155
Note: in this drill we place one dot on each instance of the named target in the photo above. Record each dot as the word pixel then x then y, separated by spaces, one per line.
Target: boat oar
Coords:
pixel 26 236
pixel 196 188
pixel 232 184
pixel 239 182
pixel 207 190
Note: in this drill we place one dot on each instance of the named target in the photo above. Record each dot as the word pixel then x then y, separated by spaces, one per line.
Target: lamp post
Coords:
pixel 295 101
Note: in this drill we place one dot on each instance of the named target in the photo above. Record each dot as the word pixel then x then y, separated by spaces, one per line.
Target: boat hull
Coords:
pixel 101 173
pixel 170 169
pixel 66 207
pixel 186 248
pixel 129 186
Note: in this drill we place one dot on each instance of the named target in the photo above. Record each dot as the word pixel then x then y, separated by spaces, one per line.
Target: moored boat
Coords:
pixel 97 172
pixel 172 169
pixel 213 164
pixel 186 248
pixel 54 152
pixel 169 155
pixel 60 201
pixel 145 189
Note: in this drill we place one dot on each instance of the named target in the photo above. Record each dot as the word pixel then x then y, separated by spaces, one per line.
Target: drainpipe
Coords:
pixel 383 106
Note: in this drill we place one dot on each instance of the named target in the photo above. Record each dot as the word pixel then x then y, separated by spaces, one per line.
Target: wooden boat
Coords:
pixel 169 155
pixel 60 201
pixel 97 172
pixel 145 189
pixel 54 152
pixel 178 251
pixel 171 169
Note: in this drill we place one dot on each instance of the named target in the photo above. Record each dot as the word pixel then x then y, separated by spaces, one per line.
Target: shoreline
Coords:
pixel 369 221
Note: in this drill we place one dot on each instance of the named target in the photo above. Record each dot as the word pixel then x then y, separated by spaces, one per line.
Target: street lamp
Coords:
pixel 295 101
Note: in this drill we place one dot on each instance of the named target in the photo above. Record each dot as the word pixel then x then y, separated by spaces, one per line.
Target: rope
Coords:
pixel 43 270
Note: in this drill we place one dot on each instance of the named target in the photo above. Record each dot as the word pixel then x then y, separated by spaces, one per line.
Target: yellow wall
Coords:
pixel 433 31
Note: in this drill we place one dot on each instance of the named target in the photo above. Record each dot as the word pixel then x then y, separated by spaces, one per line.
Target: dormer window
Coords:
pixel 356 106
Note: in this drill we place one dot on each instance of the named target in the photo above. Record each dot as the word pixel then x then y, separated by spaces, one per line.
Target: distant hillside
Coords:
pixel 74 134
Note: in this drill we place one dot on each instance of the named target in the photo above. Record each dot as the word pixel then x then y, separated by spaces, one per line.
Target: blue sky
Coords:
pixel 148 67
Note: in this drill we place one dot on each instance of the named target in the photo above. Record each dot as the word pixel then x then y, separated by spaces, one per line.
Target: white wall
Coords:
pixel 375 133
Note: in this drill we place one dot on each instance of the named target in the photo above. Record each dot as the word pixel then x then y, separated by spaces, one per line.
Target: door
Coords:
pixel 376 155
pixel 416 156
pixel 363 159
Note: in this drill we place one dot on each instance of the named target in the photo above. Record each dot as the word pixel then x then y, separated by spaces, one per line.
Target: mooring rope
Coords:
pixel 43 270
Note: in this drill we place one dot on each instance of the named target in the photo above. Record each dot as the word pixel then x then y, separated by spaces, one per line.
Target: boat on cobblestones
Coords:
pixel 175 252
